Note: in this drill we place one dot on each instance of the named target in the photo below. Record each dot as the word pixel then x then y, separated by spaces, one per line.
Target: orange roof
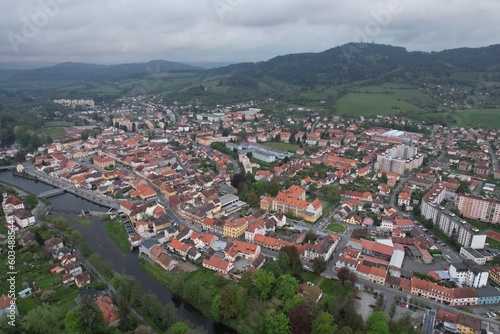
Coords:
pixel 179 245
pixel 363 269
pixel 207 238
pixel 317 203
pixel 404 222
pixel 109 311
pixel 376 247
pixel 216 262
pixel 4 301
pixel 376 271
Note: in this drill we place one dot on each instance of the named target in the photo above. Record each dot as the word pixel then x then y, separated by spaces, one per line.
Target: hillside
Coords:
pixel 80 72
pixel 317 80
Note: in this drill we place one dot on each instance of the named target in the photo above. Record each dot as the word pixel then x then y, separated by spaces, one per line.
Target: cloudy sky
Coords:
pixel 117 31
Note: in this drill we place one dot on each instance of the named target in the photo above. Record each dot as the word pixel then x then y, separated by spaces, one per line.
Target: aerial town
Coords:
pixel 412 214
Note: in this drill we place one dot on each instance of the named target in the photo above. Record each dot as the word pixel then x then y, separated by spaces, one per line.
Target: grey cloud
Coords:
pixel 234 30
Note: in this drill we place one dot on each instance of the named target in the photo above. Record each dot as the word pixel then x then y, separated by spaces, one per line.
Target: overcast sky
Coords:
pixel 117 31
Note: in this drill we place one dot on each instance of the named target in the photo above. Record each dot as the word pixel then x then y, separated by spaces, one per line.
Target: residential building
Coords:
pixel 235 229
pixel 216 264
pixel 478 207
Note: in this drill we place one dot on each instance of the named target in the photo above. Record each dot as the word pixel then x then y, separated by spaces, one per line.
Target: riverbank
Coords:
pixel 116 231
pixel 98 245
pixel 200 289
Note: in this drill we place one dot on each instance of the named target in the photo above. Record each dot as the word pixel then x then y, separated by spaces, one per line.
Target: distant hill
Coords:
pixel 362 61
pixel 287 77
pixel 80 72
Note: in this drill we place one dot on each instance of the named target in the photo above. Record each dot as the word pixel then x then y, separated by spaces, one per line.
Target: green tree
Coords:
pixel 319 265
pixel 383 177
pixel 228 302
pixel 127 321
pixel 274 187
pixel 332 193
pixel 263 282
pixel 276 322
pixel 91 315
pixel 73 323
pixel 323 324
pixel 253 199
pixel 313 187
pixel 41 319
pixel 192 293
pixel 178 328
pixel 30 202
pixel 169 315
pixel 291 262
pixel 76 237
pixel 377 323
pixel 152 306
pixel 286 287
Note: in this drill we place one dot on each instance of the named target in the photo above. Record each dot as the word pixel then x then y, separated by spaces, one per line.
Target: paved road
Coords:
pixel 494 165
pixel 390 294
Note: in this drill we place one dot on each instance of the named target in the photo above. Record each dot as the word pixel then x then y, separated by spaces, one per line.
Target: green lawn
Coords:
pixel 282 146
pixel 482 226
pixel 493 243
pixel 334 227
pixel 84 222
pixel 52 131
pixel 308 276
pixel 489 118
pixel 384 99
pixel 116 231
pixel 163 277
pixel 334 287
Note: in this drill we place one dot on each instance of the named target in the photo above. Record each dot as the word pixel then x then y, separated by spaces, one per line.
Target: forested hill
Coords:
pixel 81 72
pixel 362 61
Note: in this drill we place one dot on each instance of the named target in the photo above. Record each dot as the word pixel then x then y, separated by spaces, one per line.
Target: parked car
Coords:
pixel 359 297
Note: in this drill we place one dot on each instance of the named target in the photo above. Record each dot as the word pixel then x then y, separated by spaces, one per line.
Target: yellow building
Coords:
pixel 235 229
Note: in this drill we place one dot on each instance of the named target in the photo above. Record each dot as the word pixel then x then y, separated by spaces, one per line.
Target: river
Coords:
pixel 127 264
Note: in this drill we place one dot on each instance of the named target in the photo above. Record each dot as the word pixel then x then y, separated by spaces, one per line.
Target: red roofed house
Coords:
pixel 110 312
pixel 216 264
pixel 242 249
pixel 8 305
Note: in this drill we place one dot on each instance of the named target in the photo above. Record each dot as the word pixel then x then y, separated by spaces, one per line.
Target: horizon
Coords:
pixel 49 63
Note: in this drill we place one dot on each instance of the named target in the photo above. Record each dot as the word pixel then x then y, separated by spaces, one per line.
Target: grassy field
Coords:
pixel 489 118
pixel 335 228
pixel 334 287
pixel 282 146
pixel 482 226
pixel 493 243
pixel 385 99
pixel 116 231
pixel 84 222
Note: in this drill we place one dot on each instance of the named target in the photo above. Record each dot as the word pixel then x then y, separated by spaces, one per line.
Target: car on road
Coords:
pixel 359 297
